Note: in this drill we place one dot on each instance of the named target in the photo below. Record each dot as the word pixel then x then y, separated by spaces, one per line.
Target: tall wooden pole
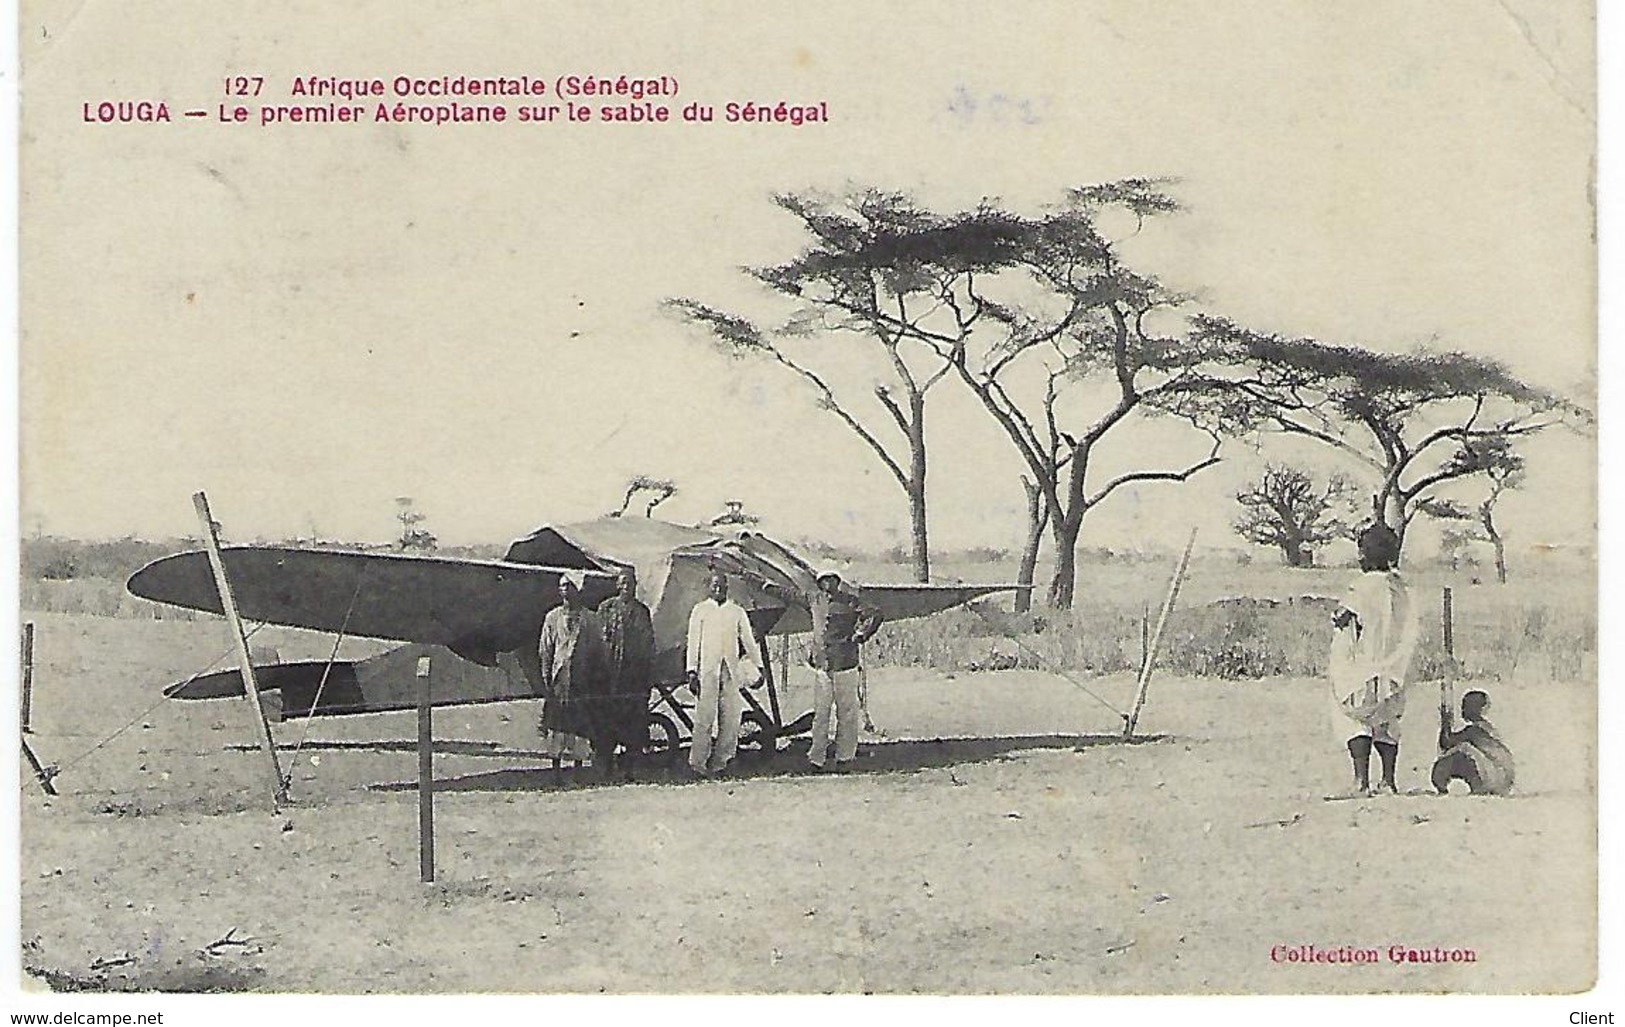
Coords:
pixel 28 677
pixel 425 774
pixel 1144 684
pixel 1447 689
pixel 1449 624
pixel 228 604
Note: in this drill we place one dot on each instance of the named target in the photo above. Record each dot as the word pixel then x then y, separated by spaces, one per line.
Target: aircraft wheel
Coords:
pixel 664 740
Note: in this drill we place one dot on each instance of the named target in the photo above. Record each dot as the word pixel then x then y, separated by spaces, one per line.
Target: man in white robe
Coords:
pixel 1375 635
pixel 722 658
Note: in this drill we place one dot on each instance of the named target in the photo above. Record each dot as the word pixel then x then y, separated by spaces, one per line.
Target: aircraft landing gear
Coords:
pixel 664 742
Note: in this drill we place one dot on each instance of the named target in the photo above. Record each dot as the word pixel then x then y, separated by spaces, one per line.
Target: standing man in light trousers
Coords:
pixel 721 660
pixel 840 629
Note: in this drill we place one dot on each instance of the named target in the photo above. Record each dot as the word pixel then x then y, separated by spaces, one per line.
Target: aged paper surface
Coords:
pixel 427 276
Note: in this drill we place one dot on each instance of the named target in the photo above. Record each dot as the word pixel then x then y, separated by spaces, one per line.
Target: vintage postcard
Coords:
pixel 1087 499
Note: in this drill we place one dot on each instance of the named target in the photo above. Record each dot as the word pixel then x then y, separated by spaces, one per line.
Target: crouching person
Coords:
pixel 1475 754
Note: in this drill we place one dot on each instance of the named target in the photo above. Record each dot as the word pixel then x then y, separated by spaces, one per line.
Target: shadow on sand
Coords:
pixel 442 747
pixel 884 757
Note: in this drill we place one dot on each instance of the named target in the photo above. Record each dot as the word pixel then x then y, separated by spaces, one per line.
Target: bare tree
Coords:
pixel 1037 522
pixel 873 272
pixel 1287 509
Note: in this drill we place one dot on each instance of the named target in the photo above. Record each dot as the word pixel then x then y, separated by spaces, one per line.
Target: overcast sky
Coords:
pixel 309 321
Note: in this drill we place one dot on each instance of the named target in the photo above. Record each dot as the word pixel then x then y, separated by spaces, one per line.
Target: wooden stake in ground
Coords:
pixel 1144 684
pixel 1447 690
pixel 1145 635
pixel 228 604
pixel 28 677
pixel 42 775
pixel 425 775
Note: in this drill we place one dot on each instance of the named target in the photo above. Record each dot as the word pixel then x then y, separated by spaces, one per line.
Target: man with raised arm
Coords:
pixel 840 628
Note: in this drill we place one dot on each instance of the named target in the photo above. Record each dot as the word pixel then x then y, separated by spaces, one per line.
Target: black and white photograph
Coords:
pixel 718 499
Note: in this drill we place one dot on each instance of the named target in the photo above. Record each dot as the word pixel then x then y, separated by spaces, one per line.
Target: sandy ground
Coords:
pixel 999 838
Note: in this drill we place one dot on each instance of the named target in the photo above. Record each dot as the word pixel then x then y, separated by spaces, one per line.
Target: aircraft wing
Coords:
pixel 476 608
pixel 388 681
pixel 770 581
pixel 902 602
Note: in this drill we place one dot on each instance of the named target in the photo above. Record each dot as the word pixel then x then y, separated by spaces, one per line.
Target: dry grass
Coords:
pixel 1254 622
pixel 96 597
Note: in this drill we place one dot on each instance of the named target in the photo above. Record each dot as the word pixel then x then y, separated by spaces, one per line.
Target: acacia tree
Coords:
pixel 872 272
pixel 412 536
pixel 1499 484
pixel 1287 509
pixel 1419 420
pixel 1504 467
pixel 1037 522
pixel 1079 362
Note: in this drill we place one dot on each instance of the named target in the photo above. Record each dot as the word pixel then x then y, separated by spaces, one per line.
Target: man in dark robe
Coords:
pixel 629 637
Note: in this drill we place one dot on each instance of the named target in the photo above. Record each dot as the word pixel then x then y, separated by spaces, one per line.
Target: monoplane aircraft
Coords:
pixel 479 620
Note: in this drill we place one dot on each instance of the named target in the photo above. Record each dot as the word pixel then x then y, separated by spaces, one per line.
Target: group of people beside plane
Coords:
pixel 598 666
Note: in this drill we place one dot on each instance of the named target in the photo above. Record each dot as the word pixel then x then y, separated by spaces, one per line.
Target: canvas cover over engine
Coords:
pixel 673 565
